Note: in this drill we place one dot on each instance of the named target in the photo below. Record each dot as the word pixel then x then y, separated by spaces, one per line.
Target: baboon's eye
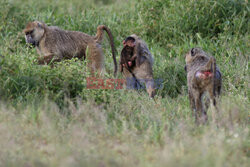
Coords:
pixel 29 32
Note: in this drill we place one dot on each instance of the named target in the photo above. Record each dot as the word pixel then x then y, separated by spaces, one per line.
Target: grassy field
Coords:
pixel 49 118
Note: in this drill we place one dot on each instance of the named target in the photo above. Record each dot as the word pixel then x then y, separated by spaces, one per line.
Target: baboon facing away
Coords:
pixel 54 44
pixel 202 75
pixel 136 64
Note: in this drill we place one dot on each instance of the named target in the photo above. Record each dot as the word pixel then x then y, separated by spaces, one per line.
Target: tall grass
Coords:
pixel 49 118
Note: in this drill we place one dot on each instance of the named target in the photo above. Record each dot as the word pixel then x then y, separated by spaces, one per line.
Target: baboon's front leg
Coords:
pixel 150 87
pixel 47 59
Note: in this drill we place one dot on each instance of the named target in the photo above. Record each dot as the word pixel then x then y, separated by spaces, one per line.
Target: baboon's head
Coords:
pixel 192 53
pixel 129 41
pixel 128 51
pixel 201 63
pixel 34 31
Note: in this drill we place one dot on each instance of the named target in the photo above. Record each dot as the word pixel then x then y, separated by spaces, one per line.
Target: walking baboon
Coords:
pixel 202 75
pixel 54 44
pixel 138 63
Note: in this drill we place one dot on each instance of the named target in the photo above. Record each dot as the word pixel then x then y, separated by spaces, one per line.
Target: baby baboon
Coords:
pixel 127 59
pixel 138 63
pixel 54 44
pixel 202 75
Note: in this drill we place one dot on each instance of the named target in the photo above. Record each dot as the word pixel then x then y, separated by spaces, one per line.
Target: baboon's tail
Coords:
pixel 214 75
pixel 99 37
pixel 211 65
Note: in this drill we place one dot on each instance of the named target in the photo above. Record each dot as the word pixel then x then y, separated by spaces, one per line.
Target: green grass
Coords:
pixel 49 118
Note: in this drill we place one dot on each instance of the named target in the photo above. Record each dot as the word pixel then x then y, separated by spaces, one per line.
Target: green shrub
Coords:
pixel 171 21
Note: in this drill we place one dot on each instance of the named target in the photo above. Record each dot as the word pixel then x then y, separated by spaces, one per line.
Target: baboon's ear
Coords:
pixel 192 51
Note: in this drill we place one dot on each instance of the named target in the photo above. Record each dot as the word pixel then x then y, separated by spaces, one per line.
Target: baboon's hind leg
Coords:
pixel 95 59
pixel 200 113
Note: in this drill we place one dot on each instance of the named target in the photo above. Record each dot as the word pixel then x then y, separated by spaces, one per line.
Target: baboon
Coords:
pixel 127 58
pixel 138 63
pixel 202 76
pixel 54 44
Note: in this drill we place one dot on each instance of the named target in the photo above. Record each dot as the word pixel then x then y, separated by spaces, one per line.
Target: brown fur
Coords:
pixel 142 70
pixel 54 44
pixel 202 75
pixel 127 59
